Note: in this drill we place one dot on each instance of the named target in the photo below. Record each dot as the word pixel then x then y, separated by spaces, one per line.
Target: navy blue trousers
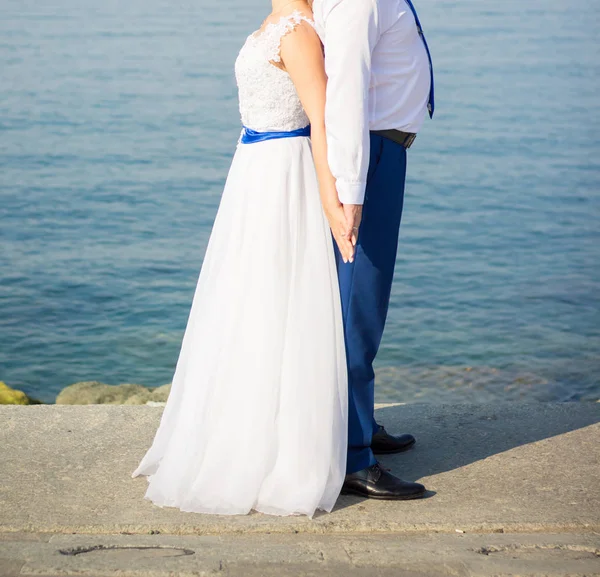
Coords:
pixel 365 287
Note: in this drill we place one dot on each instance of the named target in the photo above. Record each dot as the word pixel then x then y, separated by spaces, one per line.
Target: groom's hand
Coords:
pixel 353 214
pixel 334 212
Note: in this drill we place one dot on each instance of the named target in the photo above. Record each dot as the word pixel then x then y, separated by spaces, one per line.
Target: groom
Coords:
pixel 380 88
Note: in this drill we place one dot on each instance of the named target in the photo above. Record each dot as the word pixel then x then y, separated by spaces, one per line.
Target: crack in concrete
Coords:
pixel 82 550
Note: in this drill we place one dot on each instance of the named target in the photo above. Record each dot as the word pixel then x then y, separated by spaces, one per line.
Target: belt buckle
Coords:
pixel 409 140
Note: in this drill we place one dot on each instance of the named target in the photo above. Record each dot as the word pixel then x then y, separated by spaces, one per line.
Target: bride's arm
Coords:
pixel 302 57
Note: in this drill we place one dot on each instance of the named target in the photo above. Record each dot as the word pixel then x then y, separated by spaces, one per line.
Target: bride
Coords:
pixel 257 415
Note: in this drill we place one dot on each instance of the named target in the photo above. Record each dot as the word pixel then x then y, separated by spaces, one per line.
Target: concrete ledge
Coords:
pixel 501 468
pixel 354 555
pixel 513 491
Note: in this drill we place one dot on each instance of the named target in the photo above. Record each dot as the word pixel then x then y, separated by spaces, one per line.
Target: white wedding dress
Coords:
pixel 257 415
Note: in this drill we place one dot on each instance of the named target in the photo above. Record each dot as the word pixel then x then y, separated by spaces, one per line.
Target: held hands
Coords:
pixel 334 212
pixel 353 214
pixel 344 221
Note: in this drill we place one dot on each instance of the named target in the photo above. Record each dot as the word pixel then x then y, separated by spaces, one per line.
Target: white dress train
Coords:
pixel 257 415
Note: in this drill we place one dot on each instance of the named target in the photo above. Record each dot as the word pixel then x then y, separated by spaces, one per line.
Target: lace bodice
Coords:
pixel 267 96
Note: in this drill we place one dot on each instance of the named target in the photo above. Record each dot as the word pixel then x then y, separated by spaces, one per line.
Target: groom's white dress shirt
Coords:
pixel 378 78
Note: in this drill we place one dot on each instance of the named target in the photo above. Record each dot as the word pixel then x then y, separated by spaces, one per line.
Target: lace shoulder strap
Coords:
pixel 275 31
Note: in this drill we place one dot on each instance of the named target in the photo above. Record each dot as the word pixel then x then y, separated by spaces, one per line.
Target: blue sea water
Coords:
pixel 118 121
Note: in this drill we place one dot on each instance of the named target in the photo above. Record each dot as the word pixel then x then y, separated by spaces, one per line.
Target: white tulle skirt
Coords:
pixel 257 415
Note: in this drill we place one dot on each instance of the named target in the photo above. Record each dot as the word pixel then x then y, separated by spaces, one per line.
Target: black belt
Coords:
pixel 403 138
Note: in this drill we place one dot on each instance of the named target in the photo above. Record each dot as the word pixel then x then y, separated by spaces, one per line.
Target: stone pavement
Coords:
pixel 514 490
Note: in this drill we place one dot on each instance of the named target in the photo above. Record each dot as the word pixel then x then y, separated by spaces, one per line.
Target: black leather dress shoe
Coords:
pixel 376 483
pixel 385 444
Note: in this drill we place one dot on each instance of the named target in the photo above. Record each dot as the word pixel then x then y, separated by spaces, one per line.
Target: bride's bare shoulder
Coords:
pixel 301 20
pixel 293 16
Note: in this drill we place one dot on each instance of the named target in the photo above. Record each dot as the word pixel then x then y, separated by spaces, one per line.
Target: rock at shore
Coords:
pixel 160 394
pixel 96 393
pixel 10 396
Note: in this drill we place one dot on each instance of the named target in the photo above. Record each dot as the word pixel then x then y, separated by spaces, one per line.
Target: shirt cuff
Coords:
pixel 351 192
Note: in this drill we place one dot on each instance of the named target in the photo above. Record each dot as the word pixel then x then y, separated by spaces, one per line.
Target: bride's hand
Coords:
pixel 339 227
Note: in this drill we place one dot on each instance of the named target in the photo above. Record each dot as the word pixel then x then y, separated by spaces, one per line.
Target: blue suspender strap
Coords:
pixel 249 136
pixel 431 103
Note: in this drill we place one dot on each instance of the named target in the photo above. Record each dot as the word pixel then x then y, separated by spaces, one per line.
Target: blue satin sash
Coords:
pixel 249 136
